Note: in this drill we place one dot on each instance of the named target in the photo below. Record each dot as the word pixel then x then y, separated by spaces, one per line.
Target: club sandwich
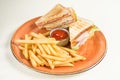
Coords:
pixel 58 17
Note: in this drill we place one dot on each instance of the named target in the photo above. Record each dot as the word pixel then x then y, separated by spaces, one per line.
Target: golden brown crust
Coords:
pixel 77 28
pixel 58 13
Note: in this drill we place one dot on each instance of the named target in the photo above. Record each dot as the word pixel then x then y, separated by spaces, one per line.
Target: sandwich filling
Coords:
pixel 83 37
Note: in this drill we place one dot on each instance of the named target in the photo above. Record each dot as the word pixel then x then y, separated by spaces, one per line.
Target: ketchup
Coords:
pixel 59 34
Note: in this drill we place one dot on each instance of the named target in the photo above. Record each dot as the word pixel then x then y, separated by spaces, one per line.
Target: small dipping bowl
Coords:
pixel 61 35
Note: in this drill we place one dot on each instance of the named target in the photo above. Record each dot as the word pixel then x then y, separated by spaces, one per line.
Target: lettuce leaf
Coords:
pixel 95 28
pixel 75 48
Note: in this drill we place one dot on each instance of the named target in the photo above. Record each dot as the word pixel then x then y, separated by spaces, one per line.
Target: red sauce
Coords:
pixel 59 34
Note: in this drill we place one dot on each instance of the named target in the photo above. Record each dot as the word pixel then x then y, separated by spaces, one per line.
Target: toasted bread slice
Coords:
pixel 77 28
pixel 57 17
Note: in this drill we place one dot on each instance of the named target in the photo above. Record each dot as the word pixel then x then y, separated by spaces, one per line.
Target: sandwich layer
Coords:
pixel 57 17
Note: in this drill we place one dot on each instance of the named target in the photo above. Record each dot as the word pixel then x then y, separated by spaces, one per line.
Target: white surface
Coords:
pixel 104 13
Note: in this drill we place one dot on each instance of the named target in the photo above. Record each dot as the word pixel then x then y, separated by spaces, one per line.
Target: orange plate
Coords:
pixel 94 50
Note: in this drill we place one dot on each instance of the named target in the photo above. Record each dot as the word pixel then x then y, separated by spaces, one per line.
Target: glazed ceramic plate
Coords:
pixel 94 50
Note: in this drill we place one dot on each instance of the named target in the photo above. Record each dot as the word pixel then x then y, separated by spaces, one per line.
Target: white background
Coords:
pixel 104 13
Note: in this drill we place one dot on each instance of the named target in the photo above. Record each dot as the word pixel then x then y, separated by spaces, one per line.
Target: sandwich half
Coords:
pixel 59 16
pixel 78 33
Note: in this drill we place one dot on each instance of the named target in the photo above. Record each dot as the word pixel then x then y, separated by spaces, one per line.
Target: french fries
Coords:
pixel 34 64
pixel 43 51
pixel 40 41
